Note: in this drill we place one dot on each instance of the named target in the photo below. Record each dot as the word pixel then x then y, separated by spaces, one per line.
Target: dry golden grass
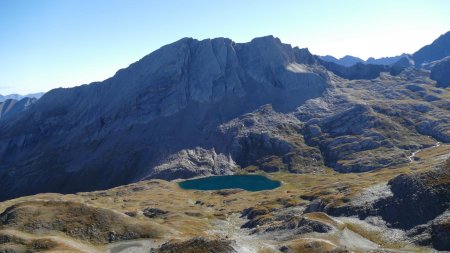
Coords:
pixel 333 187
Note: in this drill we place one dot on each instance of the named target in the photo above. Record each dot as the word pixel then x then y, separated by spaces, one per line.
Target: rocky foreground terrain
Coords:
pixel 362 153
pixel 401 208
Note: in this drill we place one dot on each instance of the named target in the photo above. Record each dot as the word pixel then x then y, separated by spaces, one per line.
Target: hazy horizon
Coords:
pixel 49 44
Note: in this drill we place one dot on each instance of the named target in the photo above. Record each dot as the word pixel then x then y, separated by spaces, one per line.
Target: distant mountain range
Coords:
pixel 436 51
pixel 11 107
pixel 349 60
pixel 13 104
pixel 19 97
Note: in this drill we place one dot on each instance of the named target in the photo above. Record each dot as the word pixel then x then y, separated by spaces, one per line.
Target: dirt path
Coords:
pixel 411 157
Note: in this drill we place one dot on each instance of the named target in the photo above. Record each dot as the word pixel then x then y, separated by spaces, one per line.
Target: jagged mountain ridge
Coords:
pixel 109 130
pixel 200 107
pixel 437 50
pixel 20 97
pixel 349 60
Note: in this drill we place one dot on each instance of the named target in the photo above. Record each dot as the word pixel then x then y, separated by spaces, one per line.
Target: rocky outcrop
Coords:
pixel 440 72
pixel 263 220
pixel 154 213
pixel 301 226
pixel 346 135
pixel 440 232
pixel 425 195
pixel 270 140
pixel 402 63
pixel 196 245
pixel 194 162
pixel 417 204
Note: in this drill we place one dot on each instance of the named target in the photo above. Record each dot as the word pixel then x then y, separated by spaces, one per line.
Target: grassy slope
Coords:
pixel 191 213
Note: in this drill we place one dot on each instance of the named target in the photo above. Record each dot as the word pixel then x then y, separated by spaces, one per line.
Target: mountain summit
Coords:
pixel 117 131
pixel 214 106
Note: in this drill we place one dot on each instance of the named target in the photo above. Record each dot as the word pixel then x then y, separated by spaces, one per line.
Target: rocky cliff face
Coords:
pixel 214 107
pixel 117 131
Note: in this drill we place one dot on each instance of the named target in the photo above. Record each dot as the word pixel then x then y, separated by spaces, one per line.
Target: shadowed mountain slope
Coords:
pixel 437 50
pixel 116 131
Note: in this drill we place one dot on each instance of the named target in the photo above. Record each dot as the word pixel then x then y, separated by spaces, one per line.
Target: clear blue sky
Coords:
pixel 61 43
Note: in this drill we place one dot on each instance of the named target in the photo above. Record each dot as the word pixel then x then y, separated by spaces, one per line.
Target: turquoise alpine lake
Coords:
pixel 245 182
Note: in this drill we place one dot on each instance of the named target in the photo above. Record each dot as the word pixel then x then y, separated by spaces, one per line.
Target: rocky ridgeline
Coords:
pixel 117 131
pixel 215 106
